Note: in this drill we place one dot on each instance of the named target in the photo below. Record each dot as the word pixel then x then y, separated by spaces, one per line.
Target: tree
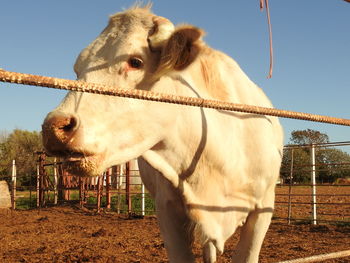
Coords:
pixel 20 145
pixel 335 164
pixel 301 160
pixel 3 136
pixel 308 136
pixel 329 161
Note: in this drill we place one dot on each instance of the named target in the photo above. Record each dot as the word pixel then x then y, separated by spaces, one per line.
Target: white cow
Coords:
pixel 210 171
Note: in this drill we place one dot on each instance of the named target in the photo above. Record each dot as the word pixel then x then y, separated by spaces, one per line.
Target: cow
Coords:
pixel 210 171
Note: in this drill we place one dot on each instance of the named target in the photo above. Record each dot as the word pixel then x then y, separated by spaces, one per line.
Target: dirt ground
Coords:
pixel 69 234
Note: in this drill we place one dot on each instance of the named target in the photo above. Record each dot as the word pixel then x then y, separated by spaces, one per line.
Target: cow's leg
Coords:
pixel 253 233
pixel 176 230
pixel 175 226
pixel 209 252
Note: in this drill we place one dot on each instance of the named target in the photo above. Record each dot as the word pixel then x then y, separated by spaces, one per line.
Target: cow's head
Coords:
pixel 137 50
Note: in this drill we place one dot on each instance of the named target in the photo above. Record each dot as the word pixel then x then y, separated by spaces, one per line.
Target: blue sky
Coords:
pixel 311 48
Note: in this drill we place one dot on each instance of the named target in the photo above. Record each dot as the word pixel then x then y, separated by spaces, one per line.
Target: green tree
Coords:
pixel 301 160
pixel 308 136
pixel 335 164
pixel 20 145
pixel 329 161
pixel 3 136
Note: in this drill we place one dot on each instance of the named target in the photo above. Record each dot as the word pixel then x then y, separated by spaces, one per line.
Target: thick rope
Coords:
pixel 319 258
pixel 270 33
pixel 80 86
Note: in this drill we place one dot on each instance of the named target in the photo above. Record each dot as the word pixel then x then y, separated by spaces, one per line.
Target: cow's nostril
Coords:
pixel 70 125
pixel 61 123
pixel 60 133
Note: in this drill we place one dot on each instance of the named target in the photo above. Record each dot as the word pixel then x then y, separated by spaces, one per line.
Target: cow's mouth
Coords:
pixel 83 164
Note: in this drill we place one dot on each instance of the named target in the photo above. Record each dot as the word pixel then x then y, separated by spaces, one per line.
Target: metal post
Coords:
pixel 14 182
pixel 119 184
pixel 40 178
pixel 108 188
pixel 30 190
pixel 81 190
pixel 55 181
pixel 99 181
pixel 38 185
pixel 128 194
pixel 142 199
pixel 290 186
pixel 313 183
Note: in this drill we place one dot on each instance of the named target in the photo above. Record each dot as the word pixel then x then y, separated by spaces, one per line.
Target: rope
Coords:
pixel 270 32
pixel 319 258
pixel 80 86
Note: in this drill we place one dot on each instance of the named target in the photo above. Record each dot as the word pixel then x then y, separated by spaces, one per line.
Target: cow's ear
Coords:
pixel 181 49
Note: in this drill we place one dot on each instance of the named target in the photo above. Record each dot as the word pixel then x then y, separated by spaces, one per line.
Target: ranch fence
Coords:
pixel 315 184
pixel 118 189
pixel 314 190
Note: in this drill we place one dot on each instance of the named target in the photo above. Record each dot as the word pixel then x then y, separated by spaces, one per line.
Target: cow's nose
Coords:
pixel 59 132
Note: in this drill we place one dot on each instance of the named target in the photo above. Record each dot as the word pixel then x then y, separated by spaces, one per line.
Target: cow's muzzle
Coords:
pixel 61 134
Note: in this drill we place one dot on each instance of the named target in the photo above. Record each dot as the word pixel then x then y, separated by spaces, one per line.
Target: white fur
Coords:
pixel 209 171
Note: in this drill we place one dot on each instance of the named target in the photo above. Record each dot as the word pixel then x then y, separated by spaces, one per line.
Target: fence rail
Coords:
pixel 121 189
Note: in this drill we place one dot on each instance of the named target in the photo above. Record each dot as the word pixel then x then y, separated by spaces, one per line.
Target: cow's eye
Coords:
pixel 135 63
